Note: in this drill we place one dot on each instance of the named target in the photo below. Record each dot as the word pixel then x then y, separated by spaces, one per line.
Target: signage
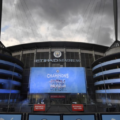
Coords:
pixel 57 96
pixel 56 60
pixel 57 54
pixel 39 107
pixel 77 107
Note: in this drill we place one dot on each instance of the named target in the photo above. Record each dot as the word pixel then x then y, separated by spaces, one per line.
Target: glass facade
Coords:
pixel 42 55
pixel 28 60
pixel 87 60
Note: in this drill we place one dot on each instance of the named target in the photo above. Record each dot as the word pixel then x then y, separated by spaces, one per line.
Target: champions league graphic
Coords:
pixel 57 85
pixel 57 80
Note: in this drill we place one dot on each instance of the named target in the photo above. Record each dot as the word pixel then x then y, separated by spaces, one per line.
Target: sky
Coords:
pixel 89 21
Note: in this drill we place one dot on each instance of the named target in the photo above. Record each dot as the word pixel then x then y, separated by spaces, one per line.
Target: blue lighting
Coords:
pixel 6 72
pixel 11 64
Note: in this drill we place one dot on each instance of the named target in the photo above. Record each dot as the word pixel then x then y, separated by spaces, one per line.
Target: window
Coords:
pixel 17 57
pixel 72 55
pixel 28 60
pixel 86 59
pixel 97 57
pixel 42 55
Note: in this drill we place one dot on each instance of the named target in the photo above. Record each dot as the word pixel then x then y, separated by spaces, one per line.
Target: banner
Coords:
pixel 77 107
pixel 57 96
pixel 39 107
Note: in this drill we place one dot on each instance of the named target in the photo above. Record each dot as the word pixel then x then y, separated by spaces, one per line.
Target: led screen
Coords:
pixel 57 80
pixel 10 117
pixel 44 117
pixel 78 117
pixel 111 117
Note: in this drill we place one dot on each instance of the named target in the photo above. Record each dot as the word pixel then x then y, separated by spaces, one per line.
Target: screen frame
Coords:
pixel 81 114
pixel 42 114
pixel 109 113
pixel 85 82
pixel 22 114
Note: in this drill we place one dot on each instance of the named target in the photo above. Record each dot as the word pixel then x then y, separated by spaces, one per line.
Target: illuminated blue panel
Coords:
pixel 6 81
pixel 16 83
pixel 10 117
pixel 9 91
pixel 11 64
pixel 78 117
pixel 44 117
pixel 108 91
pixel 110 81
pixel 6 72
pixel 111 117
pixel 107 63
pixel 113 71
pixel 57 80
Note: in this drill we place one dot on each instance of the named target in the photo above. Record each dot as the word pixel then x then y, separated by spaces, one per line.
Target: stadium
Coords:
pixel 70 54
pixel 60 80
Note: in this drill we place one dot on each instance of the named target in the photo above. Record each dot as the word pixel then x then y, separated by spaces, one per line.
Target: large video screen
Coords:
pixel 79 117
pixel 44 117
pixel 10 116
pixel 57 80
pixel 111 117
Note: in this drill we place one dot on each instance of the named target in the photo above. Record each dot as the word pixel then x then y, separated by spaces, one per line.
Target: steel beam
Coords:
pixel 115 11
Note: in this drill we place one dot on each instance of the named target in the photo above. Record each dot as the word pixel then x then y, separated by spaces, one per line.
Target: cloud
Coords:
pixel 5 28
pixel 89 21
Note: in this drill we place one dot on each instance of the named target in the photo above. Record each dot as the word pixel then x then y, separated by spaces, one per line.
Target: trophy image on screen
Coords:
pixel 57 85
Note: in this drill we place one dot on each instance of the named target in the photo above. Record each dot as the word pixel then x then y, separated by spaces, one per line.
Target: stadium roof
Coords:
pixel 62 44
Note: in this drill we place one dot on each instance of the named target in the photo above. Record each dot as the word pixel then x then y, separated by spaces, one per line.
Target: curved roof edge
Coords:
pixel 100 60
pixel 12 59
pixel 68 44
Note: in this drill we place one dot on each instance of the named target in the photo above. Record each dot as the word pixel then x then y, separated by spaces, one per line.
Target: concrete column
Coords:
pixel 64 56
pixel 35 51
pixel 49 56
pixel 93 55
pixel 80 58
pixel 21 55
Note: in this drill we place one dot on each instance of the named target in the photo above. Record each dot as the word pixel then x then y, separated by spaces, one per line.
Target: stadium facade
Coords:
pixel 68 54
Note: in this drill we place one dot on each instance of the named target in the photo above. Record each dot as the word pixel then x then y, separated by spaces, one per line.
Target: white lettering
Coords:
pixel 56 60
pixel 57 75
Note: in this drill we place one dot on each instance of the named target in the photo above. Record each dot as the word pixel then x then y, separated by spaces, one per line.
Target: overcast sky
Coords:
pixel 27 21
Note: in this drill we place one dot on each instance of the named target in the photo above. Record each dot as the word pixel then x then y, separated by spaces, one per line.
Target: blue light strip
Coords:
pixel 6 72
pixel 108 91
pixel 110 81
pixel 9 91
pixel 106 63
pixel 113 71
pixel 6 81
pixel 11 64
